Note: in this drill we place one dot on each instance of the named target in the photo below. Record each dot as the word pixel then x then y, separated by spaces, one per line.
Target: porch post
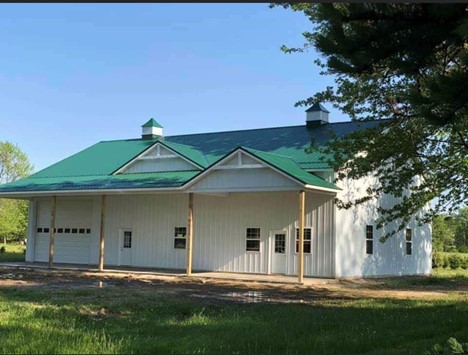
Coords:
pixel 300 259
pixel 189 234
pixel 52 231
pixel 101 233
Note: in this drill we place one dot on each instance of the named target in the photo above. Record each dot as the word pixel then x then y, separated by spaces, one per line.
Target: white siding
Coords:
pixel 68 247
pixel 161 164
pixel 219 230
pixel 244 180
pixel 31 236
pixel 388 258
pixel 152 219
pixel 161 159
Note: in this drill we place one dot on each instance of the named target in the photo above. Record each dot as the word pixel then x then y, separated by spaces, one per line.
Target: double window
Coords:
pixel 369 239
pixel 180 237
pixel 307 240
pixel 252 242
pixel 409 241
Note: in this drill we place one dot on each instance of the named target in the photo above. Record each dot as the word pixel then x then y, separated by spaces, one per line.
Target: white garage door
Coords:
pixel 72 231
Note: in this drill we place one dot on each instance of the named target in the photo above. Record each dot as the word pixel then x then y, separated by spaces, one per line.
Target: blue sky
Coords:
pixel 75 74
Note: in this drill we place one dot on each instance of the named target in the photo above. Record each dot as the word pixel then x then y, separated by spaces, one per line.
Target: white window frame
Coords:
pixel 249 238
pixel 369 239
pixel 296 241
pixel 409 242
pixel 177 237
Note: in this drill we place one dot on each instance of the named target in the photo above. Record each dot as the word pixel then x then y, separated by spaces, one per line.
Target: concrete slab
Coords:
pixel 164 273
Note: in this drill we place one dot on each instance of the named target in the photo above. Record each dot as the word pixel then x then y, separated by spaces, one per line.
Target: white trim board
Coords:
pixel 157 145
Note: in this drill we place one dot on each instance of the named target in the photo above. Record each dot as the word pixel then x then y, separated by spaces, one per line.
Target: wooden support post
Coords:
pixel 52 231
pixel 190 234
pixel 101 233
pixel 300 259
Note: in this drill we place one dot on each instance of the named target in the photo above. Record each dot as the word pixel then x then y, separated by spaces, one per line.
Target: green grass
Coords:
pixel 448 274
pixel 14 252
pixel 135 320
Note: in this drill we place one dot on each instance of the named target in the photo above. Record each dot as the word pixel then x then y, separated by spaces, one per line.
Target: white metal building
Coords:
pixel 239 201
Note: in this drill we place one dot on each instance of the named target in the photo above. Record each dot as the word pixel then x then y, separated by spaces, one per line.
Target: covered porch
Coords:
pixel 214 226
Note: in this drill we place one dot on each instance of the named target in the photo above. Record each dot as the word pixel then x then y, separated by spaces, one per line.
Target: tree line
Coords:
pixel 450 232
pixel 14 165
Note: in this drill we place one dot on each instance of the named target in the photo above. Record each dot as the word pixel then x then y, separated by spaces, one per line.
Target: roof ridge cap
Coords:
pixel 235 130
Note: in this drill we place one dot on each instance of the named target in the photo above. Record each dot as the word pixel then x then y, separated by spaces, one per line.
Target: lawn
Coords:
pixel 41 313
pixel 13 252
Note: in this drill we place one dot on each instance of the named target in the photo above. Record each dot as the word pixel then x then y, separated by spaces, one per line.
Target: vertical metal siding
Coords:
pixel 219 230
pixel 31 236
pixel 242 179
pixel 166 164
pixel 388 258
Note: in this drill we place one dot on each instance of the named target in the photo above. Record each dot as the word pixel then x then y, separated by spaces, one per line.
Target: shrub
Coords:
pixel 464 262
pixel 463 249
pixel 452 346
pixel 2 250
pixel 445 261
pixel 454 261
pixel 437 260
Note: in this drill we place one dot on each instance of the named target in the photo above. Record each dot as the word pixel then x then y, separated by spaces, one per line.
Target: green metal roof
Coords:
pixel 101 182
pixel 152 123
pixel 192 154
pixel 290 141
pixel 108 156
pixel 282 147
pixel 100 159
pixel 289 167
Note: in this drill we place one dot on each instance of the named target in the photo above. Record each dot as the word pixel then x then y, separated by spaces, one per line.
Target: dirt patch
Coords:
pixel 224 291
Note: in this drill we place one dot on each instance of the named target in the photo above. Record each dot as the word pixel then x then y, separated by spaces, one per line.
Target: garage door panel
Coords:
pixel 68 247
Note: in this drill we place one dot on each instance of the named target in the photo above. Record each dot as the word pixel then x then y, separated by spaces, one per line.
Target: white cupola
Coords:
pixel 316 115
pixel 151 130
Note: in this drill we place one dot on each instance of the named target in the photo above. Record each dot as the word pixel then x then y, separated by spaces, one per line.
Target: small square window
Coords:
pixel 180 232
pixel 252 245
pixel 67 230
pixel 179 243
pixel 82 230
pixel 60 230
pixel 46 230
pixel 39 230
pixel 74 230
pixel 88 231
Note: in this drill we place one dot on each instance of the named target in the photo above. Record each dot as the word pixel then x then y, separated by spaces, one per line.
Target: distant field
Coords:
pixel 14 252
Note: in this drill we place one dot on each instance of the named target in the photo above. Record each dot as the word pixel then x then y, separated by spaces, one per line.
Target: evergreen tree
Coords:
pixel 406 66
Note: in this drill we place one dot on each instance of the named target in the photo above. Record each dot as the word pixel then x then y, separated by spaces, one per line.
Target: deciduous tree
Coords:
pixel 14 164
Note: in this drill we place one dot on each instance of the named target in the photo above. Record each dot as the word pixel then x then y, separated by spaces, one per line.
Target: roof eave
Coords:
pixel 31 194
